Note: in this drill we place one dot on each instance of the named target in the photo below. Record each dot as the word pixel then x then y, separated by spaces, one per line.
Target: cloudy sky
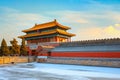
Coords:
pixel 89 19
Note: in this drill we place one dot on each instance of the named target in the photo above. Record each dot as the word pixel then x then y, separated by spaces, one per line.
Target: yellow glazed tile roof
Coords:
pixel 64 32
pixel 46 25
pixel 47 33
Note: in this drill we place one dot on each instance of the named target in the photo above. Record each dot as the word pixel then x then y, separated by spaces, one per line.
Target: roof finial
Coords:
pixel 55 20
pixel 35 24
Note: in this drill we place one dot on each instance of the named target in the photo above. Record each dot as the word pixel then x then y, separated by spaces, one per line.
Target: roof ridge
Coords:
pixel 46 25
pixel 36 25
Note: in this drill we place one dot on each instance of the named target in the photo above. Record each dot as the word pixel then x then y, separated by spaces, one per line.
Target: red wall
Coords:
pixel 85 54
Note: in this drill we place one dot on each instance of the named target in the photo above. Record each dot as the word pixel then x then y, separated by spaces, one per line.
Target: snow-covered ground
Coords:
pixel 44 71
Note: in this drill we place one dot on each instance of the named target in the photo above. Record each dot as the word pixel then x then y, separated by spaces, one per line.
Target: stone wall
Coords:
pixel 110 62
pixel 15 59
pixel 97 42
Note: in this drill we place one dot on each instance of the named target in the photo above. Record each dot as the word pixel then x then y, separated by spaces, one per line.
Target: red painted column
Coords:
pixel 53 39
pixel 47 39
pixel 41 40
pixel 56 40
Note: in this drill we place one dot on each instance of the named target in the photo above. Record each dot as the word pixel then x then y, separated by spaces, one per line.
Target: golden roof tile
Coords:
pixel 64 32
pixel 46 25
pixel 47 33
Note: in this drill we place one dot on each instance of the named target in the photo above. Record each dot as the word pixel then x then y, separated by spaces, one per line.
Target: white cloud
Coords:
pixel 98 33
pixel 13 22
pixel 117 25
pixel 86 18
pixel 70 16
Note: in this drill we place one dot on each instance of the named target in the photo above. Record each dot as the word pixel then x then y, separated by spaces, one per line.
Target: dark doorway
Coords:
pixel 49 53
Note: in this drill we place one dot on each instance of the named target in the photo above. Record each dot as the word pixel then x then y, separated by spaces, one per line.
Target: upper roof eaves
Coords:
pixel 46 25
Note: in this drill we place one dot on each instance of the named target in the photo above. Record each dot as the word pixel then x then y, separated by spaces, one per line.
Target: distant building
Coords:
pixel 40 34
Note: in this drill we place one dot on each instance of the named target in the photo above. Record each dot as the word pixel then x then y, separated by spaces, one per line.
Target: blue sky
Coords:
pixel 89 19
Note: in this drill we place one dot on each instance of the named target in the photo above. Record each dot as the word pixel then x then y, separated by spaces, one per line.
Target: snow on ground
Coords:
pixel 45 71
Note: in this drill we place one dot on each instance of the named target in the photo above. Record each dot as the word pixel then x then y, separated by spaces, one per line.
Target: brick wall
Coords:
pixel 110 62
